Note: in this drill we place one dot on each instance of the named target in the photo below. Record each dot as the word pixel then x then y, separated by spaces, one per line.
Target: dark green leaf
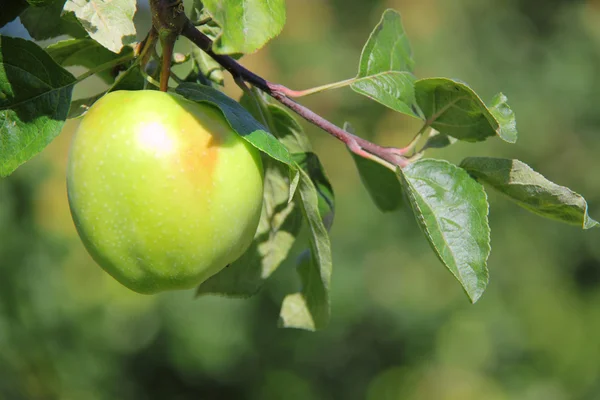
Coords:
pixel 381 183
pixel 11 10
pixel 280 223
pixel 453 108
pixel 310 163
pixel 86 53
pixel 110 23
pixel 132 79
pixel 280 122
pixel 310 308
pixel 40 3
pixel 240 120
pixel 386 64
pixel 451 209
pixel 438 141
pixel 48 22
pixel 35 94
pixel 247 24
pixel 531 190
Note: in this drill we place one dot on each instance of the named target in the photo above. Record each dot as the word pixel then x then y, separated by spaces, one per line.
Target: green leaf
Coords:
pixel 35 94
pixel 453 108
pixel 40 3
pixel 310 163
pixel 386 64
pixel 451 209
pixel 531 190
pixel 86 53
pixel 505 118
pixel 438 140
pixel 280 121
pixel 281 219
pixel 310 308
pixel 239 119
pixel 381 183
pixel 207 67
pixel 247 24
pixel 388 48
pixel 280 223
pixel 11 10
pixel 110 23
pixel 48 22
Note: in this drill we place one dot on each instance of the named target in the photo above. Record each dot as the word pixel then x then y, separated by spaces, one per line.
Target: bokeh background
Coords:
pixel 401 328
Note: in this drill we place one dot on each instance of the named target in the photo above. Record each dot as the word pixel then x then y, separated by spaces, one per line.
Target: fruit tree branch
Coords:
pixel 389 156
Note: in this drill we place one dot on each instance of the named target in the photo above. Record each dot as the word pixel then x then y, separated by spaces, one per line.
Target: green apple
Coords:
pixel 163 192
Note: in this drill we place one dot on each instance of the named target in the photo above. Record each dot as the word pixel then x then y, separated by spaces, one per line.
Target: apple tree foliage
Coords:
pixel 448 201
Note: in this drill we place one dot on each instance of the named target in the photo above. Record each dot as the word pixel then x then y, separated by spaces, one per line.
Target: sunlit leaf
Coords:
pixel 451 209
pixel 86 53
pixel 453 108
pixel 247 25
pixel 240 120
pixel 310 308
pixel 280 223
pixel 35 95
pixel 110 23
pixel 531 190
pixel 386 64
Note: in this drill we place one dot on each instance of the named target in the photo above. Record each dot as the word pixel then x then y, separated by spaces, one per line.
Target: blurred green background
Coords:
pixel 401 328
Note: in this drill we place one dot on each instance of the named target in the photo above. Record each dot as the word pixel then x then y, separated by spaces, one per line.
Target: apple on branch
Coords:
pixel 163 192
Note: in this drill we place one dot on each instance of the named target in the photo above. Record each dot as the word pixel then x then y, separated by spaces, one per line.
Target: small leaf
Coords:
pixel 391 88
pixel 110 23
pixel 239 119
pixel 438 141
pixel 86 53
pixel 531 190
pixel 48 22
pixel 386 64
pixel 247 24
pixel 505 117
pixel 310 308
pixel 310 163
pixel 280 223
pixel 388 48
pixel 281 123
pixel 381 183
pixel 453 108
pixel 35 94
pixel 451 209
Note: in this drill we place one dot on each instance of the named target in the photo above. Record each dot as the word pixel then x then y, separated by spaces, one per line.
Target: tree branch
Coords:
pixel 388 156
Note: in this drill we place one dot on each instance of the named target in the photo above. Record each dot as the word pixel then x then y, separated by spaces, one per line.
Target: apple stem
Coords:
pixel 168 43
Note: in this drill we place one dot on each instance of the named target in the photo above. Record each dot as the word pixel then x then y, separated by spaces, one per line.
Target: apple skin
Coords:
pixel 163 192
